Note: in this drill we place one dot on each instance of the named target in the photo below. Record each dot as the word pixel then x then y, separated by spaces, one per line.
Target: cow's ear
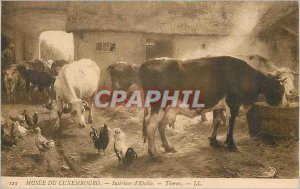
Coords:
pixel 271 74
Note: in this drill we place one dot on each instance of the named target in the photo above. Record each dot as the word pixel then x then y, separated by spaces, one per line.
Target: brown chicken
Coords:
pixel 31 121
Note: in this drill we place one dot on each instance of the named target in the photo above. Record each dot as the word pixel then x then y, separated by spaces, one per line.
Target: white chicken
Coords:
pixel 42 143
pixel 22 130
pixel 120 145
pixel 126 155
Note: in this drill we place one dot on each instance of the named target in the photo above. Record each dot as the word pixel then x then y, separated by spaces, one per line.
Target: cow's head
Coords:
pixel 77 112
pixel 286 76
pixel 289 82
pixel 274 91
pixel 8 74
pixel 22 67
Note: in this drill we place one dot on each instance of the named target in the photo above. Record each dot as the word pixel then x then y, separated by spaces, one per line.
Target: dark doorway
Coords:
pixel 4 42
pixel 158 48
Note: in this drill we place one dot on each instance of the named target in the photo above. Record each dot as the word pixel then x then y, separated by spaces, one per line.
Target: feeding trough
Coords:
pixel 279 122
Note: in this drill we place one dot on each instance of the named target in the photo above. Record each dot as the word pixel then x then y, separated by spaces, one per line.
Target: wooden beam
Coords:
pixel 290 30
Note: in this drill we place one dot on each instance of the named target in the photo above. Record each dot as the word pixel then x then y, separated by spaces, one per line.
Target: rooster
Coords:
pixel 42 143
pixel 31 121
pixel 100 140
pixel 125 154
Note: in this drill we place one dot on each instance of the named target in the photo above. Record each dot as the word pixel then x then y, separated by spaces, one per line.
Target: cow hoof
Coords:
pixel 81 126
pixel 170 149
pixel 214 143
pixel 157 158
pixel 232 148
pixel 56 127
pixel 204 119
pixel 90 121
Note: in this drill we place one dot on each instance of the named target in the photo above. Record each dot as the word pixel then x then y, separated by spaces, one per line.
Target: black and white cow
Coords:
pixel 37 76
pixel 218 78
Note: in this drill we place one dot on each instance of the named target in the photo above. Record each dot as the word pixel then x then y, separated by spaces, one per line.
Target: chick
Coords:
pixel 100 140
pixel 42 143
pixel 31 121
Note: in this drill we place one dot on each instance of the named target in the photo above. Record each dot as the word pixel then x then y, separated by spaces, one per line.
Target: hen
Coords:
pixel 20 118
pixel 21 130
pixel 100 140
pixel 130 155
pixel 31 121
pixel 42 143
pixel 14 132
pixel 6 140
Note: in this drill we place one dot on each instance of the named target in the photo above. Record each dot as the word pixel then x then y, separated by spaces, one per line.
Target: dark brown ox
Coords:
pixel 35 76
pixel 217 78
pixel 123 75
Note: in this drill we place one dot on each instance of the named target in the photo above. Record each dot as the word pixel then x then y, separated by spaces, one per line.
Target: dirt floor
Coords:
pixel 194 158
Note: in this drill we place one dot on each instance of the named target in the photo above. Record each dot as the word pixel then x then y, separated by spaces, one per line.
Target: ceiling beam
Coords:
pixel 290 30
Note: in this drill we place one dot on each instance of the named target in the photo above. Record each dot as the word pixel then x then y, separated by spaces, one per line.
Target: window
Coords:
pixel 105 47
pixel 150 43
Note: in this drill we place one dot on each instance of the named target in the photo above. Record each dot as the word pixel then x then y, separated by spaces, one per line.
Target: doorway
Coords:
pixel 56 45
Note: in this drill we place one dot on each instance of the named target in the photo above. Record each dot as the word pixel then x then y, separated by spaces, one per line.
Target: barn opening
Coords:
pixel 4 42
pixel 56 45
pixel 158 48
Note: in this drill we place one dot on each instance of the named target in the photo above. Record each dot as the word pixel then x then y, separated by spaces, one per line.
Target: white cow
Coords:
pixel 75 83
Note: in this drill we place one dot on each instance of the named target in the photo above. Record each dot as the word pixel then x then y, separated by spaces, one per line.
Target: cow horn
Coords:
pixel 282 80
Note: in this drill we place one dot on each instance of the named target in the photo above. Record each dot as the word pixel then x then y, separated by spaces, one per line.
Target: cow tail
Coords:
pixel 107 74
pixel 145 125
